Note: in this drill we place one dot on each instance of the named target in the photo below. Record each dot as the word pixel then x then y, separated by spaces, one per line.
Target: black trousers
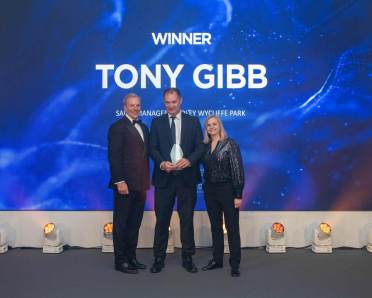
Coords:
pixel 164 202
pixel 128 214
pixel 219 199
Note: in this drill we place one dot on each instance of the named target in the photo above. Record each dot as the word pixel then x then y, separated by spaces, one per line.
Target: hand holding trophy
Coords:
pixel 176 154
pixel 177 158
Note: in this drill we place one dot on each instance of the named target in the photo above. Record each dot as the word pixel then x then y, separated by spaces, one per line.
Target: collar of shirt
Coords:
pixel 178 116
pixel 130 118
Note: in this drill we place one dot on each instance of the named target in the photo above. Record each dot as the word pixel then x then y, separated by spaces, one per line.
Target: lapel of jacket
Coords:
pixel 183 128
pixel 145 137
pixel 133 130
pixel 166 129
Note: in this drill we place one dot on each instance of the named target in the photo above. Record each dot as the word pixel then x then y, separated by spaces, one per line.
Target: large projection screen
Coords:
pixel 291 80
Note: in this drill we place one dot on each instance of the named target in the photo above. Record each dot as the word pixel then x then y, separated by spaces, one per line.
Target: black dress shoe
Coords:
pixel 157 266
pixel 235 272
pixel 134 263
pixel 212 264
pixel 126 268
pixel 189 265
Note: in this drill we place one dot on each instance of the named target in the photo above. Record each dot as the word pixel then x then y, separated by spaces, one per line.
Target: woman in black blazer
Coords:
pixel 223 187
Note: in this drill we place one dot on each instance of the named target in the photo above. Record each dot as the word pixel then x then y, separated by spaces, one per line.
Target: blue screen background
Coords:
pixel 306 139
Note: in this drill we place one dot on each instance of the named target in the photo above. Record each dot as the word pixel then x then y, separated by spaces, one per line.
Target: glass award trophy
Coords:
pixel 176 153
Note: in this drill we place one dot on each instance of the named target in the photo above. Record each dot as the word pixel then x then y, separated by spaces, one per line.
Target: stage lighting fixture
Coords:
pixel 107 243
pixel 170 247
pixel 322 239
pixel 369 245
pixel 276 238
pixel 52 239
pixel 3 241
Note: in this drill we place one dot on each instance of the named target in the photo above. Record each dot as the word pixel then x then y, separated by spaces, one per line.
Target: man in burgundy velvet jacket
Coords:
pixel 129 168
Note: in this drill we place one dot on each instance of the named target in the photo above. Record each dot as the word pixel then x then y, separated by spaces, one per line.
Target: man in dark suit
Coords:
pixel 129 167
pixel 178 179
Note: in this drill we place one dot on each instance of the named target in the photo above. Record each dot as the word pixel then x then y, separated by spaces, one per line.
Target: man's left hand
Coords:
pixel 183 163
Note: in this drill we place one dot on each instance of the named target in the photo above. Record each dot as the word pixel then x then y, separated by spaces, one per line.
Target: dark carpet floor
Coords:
pixel 89 273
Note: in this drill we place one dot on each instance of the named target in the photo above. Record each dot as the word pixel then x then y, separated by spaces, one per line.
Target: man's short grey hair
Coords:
pixel 128 96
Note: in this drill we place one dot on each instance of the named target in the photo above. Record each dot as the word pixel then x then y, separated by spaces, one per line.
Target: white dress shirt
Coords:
pixel 177 122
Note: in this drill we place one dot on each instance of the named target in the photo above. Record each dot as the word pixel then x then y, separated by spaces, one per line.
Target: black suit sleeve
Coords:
pixel 196 155
pixel 237 169
pixel 115 154
pixel 154 144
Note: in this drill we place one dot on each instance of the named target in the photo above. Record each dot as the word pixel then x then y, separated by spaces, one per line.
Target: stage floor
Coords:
pixel 89 273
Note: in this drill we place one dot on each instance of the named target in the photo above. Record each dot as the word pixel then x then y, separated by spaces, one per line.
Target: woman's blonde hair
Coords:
pixel 223 134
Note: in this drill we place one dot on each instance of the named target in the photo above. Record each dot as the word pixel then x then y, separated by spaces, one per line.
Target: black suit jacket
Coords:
pixel 128 155
pixel 161 146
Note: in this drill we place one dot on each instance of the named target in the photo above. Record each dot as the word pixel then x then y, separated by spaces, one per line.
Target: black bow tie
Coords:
pixel 136 121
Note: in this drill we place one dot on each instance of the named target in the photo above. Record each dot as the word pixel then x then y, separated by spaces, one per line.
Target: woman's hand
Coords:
pixel 237 202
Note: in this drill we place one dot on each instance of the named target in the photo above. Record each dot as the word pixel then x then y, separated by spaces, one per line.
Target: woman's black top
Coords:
pixel 224 164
